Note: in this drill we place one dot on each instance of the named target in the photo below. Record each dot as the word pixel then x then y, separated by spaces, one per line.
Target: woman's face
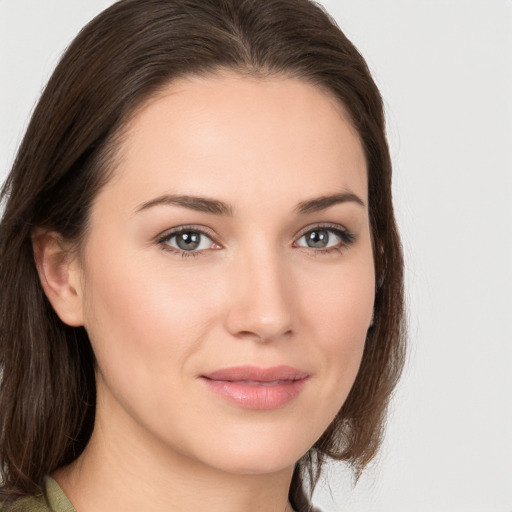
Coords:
pixel 227 274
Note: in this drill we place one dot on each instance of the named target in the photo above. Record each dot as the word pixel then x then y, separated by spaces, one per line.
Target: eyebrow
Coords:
pixel 216 207
pixel 198 203
pixel 324 202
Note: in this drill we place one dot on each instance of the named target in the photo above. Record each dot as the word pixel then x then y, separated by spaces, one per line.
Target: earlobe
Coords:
pixel 59 273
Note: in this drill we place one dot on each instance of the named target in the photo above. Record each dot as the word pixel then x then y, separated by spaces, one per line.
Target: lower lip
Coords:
pixel 258 396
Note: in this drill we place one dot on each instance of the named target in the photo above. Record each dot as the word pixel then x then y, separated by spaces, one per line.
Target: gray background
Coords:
pixel 445 70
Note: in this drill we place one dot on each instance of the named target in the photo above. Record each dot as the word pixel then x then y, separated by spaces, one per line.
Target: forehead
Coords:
pixel 231 134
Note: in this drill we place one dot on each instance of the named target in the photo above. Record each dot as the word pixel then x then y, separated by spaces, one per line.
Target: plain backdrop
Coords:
pixel 445 70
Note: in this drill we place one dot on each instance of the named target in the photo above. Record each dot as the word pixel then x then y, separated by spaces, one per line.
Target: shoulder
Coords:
pixel 31 504
pixel 53 500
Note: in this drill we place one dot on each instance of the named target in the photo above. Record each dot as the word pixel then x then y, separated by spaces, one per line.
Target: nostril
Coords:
pixel 264 336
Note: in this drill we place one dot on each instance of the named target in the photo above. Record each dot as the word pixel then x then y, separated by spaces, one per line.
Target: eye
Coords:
pixel 188 240
pixel 325 238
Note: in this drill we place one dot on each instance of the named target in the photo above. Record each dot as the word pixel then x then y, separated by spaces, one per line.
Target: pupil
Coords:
pixel 188 241
pixel 318 239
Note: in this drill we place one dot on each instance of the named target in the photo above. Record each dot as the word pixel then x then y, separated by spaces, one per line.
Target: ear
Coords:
pixel 60 275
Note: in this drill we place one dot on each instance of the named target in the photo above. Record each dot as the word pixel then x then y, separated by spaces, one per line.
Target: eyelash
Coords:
pixel 163 240
pixel 347 239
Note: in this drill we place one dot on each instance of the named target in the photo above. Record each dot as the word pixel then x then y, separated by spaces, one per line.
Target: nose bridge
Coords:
pixel 261 305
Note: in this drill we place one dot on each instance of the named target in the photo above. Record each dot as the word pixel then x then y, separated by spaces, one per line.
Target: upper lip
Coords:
pixel 257 374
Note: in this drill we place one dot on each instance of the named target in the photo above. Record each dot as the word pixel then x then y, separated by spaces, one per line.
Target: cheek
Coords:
pixel 141 314
pixel 146 328
pixel 342 303
pixel 340 312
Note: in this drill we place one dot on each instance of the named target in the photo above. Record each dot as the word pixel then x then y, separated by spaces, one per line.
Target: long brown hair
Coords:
pixel 119 60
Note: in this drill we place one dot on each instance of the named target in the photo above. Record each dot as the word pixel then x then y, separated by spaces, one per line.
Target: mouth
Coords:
pixel 252 387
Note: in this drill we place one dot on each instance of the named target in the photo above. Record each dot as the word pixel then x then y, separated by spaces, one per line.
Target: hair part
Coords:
pixel 120 60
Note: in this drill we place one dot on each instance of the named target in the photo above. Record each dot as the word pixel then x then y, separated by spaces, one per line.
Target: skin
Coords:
pixel 255 293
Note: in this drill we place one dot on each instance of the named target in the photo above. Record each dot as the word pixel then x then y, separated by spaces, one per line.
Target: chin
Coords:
pixel 255 450
pixel 262 463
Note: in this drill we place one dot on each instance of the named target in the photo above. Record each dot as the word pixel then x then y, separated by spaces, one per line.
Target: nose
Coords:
pixel 261 301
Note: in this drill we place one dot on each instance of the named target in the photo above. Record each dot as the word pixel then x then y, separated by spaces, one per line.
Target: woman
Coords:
pixel 200 271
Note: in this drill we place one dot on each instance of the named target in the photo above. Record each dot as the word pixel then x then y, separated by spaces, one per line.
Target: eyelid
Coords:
pixel 187 227
pixel 323 225
pixel 163 237
pixel 346 236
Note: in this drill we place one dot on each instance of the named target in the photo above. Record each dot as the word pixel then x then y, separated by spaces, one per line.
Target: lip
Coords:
pixel 257 388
